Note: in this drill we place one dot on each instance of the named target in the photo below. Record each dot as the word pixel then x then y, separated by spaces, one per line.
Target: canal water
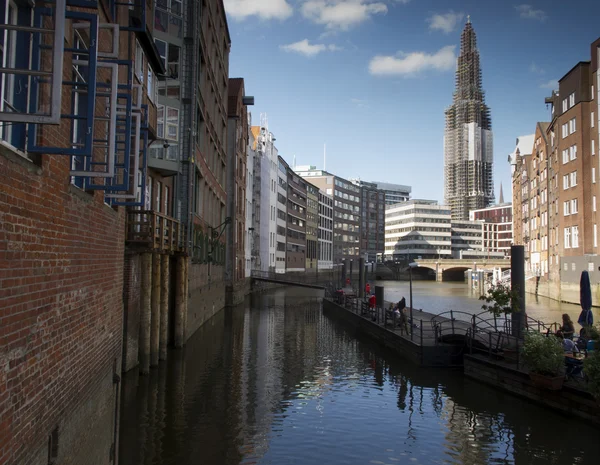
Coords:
pixel 442 297
pixel 275 381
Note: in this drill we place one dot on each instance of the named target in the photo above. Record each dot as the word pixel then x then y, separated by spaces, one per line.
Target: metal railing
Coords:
pixel 155 231
pixel 323 278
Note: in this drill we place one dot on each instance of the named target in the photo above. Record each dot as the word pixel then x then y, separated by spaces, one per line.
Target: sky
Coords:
pixel 370 79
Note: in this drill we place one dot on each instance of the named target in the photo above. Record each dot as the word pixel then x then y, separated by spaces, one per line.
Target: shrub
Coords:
pixel 591 367
pixel 543 354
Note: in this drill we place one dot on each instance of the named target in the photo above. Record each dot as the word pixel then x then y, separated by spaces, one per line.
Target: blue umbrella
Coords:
pixel 585 299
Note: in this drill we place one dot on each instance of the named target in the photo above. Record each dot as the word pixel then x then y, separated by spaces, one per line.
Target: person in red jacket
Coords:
pixel 372 301
pixel 368 289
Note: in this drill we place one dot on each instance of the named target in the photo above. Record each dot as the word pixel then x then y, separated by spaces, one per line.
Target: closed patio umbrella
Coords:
pixel 585 299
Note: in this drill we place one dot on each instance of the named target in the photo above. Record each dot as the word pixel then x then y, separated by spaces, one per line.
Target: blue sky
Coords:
pixel 371 78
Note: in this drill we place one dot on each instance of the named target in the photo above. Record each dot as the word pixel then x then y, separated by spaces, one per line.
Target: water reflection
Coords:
pixel 278 382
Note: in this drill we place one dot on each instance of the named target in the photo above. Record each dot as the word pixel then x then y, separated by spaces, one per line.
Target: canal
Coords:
pixel 276 382
pixel 439 297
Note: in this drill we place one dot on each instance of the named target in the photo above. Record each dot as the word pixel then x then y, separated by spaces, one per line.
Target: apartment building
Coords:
pixel 295 254
pixel 346 213
pixel 520 160
pixel 70 166
pixel 325 233
pixel 237 155
pixel 417 229
pixel 282 216
pixel 312 225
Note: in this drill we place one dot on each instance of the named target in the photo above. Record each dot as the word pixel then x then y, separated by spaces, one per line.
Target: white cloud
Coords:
pixel 528 12
pixel 406 64
pixel 304 47
pixel 445 22
pixel 534 68
pixel 360 103
pixel 264 9
pixel 551 84
pixel 341 14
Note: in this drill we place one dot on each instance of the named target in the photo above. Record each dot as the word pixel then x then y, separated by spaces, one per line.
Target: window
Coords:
pixel 564 130
pixel 567 238
pixel 160 121
pixel 8 54
pixel 566 208
pixel 573 206
pixel 593 146
pixel 594 203
pixel 595 236
pixel 593 175
pixel 564 105
pixel 574 237
pixel 572 100
pixel 572 126
pixel 565 182
pixel 139 62
pixel 573 152
pixel 593 120
pixel 573 178
pixel 151 88
pixel 172 131
pixel 565 156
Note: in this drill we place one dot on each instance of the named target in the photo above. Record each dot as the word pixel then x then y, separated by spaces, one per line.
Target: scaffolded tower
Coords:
pixel 468 145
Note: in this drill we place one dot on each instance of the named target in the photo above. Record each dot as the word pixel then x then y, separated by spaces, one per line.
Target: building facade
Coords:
pixel 346 213
pixel 372 227
pixel 468 141
pixel 248 244
pixel 282 217
pixel 312 226
pixel 394 193
pixel 497 225
pixel 295 254
pixel 417 229
pixel 237 158
pixel 325 233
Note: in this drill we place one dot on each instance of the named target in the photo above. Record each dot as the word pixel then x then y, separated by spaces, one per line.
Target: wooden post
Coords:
pixel 164 308
pixel 180 299
pixel 155 306
pixel 145 313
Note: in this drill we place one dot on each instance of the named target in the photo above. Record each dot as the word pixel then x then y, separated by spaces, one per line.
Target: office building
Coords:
pixel 325 232
pixel 394 193
pixel 312 227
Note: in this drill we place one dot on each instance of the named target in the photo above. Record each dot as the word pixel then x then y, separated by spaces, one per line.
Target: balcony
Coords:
pixel 154 231
pixel 164 159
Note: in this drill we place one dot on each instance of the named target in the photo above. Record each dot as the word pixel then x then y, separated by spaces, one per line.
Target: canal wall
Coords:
pixel 61 295
pixel 568 400
pixel 423 355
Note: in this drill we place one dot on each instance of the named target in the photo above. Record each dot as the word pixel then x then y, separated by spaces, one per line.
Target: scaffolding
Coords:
pixel 468 145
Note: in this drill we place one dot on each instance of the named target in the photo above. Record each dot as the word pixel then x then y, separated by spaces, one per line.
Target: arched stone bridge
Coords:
pixel 444 265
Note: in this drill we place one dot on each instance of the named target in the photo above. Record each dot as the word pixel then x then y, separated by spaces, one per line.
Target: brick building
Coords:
pixel 237 155
pixel 63 197
pixel 312 225
pixel 497 227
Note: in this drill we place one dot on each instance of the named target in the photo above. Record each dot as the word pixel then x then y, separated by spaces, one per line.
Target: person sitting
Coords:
pixel 567 328
pixel 568 344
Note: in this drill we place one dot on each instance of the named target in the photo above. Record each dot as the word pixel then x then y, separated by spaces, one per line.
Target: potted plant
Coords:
pixel 591 368
pixel 593 337
pixel 545 357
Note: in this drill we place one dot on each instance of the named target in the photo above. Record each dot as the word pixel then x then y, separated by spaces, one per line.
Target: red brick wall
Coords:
pixel 61 299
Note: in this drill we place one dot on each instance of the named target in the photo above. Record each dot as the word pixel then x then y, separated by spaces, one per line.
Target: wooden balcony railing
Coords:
pixel 155 231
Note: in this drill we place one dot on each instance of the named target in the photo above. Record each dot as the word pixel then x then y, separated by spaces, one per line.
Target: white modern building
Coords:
pixel 417 229
pixel 325 235
pixel 265 198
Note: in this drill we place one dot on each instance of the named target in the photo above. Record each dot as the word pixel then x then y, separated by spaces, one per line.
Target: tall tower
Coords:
pixel 468 145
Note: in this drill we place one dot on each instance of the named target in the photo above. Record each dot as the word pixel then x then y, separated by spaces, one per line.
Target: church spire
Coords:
pixel 501 199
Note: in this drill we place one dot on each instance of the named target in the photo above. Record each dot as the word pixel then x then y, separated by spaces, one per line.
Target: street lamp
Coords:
pixel 410 268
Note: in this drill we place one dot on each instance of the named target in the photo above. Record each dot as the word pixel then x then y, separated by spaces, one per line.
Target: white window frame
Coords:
pixel 573 152
pixel 566 208
pixel 564 105
pixel 169 124
pixel 574 237
pixel 574 206
pixel 593 146
pixel 573 126
pixel 593 203
pixel 567 238
pixel 593 119
pixel 595 236
pixel 573 178
pixel 565 156
pixel 139 63
pixel 564 130
pixel 572 100
pixel 593 175
pixel 566 182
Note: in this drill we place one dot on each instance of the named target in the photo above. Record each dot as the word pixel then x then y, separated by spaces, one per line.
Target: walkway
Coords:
pixel 311 280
